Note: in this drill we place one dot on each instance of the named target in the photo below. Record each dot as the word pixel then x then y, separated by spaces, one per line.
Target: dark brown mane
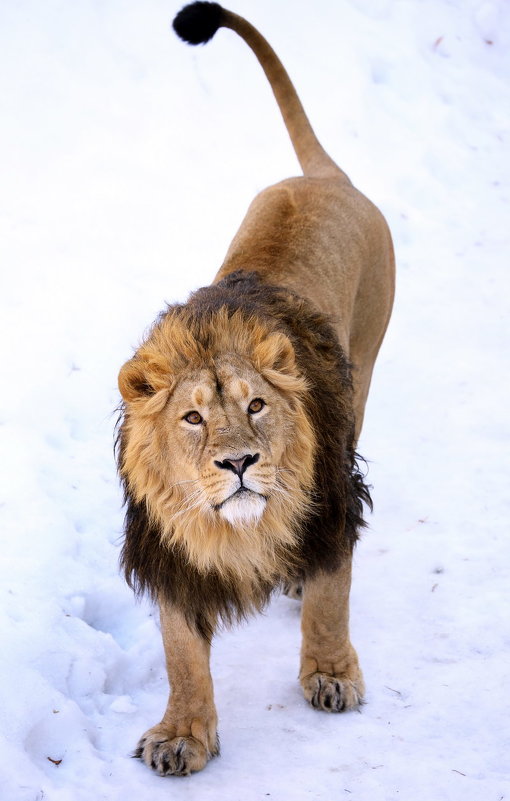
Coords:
pixel 331 528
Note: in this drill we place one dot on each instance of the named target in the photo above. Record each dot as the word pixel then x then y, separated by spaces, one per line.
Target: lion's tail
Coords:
pixel 198 22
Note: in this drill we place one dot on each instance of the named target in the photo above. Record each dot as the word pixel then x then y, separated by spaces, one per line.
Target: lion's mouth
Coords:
pixel 243 506
pixel 241 493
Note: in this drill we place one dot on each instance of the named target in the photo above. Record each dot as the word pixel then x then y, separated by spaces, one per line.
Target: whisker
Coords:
pixel 282 491
pixel 179 483
pixel 192 501
pixel 189 499
pixel 281 470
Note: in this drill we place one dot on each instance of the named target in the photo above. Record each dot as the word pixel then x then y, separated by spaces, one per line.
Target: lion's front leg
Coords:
pixel 186 738
pixel 330 673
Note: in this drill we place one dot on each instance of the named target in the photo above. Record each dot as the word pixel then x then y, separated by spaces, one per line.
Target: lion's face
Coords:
pixel 217 444
pixel 224 429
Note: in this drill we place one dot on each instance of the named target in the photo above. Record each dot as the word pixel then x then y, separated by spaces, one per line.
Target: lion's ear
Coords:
pixel 134 382
pixel 144 375
pixel 275 359
pixel 275 353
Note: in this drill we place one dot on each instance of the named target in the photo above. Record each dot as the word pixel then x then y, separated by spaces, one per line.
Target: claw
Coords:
pixel 175 756
pixel 332 694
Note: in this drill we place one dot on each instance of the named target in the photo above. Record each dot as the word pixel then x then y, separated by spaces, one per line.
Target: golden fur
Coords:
pixel 240 415
pixel 182 488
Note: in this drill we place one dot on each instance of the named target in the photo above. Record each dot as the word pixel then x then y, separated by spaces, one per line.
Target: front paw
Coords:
pixel 173 755
pixel 333 693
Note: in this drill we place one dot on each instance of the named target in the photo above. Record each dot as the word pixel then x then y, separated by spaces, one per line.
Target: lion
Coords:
pixel 239 421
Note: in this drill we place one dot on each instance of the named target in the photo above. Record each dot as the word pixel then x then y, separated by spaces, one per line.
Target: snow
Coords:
pixel 128 161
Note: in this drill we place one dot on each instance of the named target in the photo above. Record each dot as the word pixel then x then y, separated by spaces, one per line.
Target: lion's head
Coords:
pixel 216 441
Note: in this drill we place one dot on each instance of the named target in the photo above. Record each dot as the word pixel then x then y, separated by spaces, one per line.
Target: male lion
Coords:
pixel 241 411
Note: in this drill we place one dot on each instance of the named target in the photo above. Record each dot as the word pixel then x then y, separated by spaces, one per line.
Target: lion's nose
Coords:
pixel 238 466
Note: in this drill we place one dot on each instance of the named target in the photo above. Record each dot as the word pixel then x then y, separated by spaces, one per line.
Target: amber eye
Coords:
pixel 194 418
pixel 256 406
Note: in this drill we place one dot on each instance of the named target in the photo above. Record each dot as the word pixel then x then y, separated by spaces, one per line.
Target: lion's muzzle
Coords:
pixel 238 465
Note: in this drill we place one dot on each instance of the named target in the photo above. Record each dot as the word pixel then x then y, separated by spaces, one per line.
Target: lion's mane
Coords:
pixel 325 528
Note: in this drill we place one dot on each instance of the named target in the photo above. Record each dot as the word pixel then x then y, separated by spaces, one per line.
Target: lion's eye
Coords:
pixel 194 418
pixel 256 406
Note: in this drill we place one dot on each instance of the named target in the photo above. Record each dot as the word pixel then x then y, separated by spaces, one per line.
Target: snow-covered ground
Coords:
pixel 127 162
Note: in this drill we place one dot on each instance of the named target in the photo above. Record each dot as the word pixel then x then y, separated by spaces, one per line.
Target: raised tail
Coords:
pixel 198 22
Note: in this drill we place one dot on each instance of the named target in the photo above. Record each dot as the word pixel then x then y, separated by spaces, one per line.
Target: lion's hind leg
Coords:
pixel 294 590
pixel 330 674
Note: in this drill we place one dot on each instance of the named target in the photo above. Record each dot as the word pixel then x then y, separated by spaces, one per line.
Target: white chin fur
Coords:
pixel 245 509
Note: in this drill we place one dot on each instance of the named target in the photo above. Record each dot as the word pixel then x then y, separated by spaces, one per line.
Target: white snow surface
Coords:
pixel 128 160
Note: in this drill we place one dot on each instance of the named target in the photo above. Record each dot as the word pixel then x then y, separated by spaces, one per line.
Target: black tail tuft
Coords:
pixel 198 22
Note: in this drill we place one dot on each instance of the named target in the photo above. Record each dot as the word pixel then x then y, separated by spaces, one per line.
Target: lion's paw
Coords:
pixel 169 755
pixel 293 589
pixel 332 693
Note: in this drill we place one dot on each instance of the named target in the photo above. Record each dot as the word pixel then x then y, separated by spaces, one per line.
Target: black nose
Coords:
pixel 238 466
